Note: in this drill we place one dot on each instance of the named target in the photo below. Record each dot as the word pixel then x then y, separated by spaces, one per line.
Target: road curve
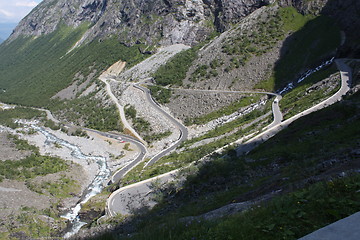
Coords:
pixel 277 115
pixel 140 157
pixel 122 200
pixel 127 199
pixel 121 110
pixel 346 79
pixel 183 130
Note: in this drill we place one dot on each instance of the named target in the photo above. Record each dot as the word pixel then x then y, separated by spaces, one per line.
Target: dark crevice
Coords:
pixel 167 3
pixel 218 12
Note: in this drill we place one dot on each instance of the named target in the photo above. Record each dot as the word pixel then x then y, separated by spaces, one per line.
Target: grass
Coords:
pixel 299 99
pixel 312 40
pixel 174 71
pixel 287 217
pixel 243 102
pixel 8 116
pixel 33 70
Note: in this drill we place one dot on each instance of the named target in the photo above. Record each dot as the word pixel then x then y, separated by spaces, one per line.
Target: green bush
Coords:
pixel 89 112
pixel 161 95
pixel 31 166
pixel 174 71
pixel 7 117
pixel 130 111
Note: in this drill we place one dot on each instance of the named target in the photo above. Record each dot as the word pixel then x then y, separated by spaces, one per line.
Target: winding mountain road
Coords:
pixel 346 79
pixel 183 130
pixel 277 114
pixel 126 200
pixel 118 175
pixel 121 109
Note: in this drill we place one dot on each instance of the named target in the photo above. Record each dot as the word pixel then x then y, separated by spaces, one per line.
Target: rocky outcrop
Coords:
pixel 153 22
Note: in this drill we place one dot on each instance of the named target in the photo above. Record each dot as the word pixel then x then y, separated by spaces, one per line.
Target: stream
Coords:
pixel 93 189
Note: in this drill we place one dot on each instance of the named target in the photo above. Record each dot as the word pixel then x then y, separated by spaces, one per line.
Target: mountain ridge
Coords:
pixel 167 22
pixel 61 57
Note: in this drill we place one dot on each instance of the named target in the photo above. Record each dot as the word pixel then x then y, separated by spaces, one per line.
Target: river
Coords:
pixel 93 189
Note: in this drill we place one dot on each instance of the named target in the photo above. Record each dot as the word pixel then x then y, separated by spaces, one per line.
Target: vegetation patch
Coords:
pixel 174 71
pixel 88 111
pixel 309 93
pixel 33 70
pixel 34 223
pixel 264 36
pixel 7 117
pixel 157 137
pixel 312 41
pixel 161 95
pixel 243 102
pixel 296 215
pixel 31 166
pixel 140 124
pixel 61 188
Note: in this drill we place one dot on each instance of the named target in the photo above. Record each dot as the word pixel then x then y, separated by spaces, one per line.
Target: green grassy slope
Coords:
pixel 319 146
pixel 312 40
pixel 32 70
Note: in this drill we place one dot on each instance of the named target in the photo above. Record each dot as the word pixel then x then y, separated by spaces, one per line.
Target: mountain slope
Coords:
pixel 151 22
pixel 43 66
pixel 56 54
pixel 60 41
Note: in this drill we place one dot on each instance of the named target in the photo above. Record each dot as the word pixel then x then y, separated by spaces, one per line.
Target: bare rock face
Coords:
pixel 154 22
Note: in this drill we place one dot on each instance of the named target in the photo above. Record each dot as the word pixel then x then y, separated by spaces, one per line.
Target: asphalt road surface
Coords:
pixel 126 200
pixel 183 130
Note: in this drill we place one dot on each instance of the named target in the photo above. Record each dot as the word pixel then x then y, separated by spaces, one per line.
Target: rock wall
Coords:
pixel 163 22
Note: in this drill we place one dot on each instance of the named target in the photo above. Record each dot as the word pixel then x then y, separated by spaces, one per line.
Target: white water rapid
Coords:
pixel 93 189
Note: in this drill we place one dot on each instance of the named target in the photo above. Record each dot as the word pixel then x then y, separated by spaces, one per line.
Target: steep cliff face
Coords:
pixel 161 22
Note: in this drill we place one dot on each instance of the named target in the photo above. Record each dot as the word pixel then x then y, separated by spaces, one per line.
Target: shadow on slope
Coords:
pixel 313 40
pixel 306 49
pixel 346 14
pixel 320 146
